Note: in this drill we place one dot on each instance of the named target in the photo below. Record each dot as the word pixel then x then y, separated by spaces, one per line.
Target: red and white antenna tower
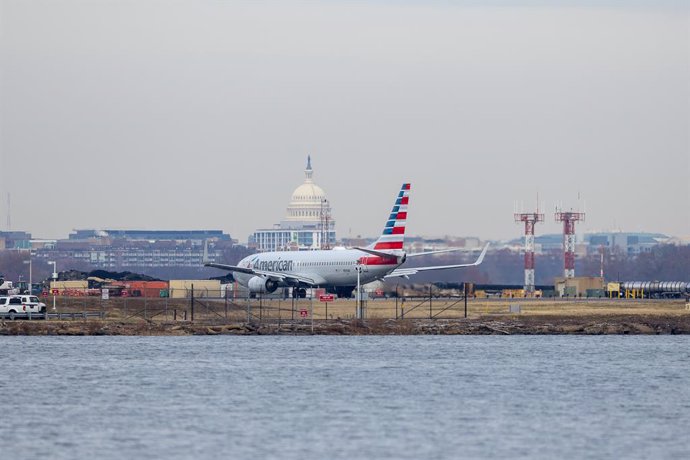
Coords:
pixel 569 218
pixel 529 218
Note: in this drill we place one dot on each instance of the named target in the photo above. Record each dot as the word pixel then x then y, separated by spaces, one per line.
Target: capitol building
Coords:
pixel 307 224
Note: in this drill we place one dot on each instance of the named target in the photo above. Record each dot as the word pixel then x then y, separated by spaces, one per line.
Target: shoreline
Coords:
pixel 591 324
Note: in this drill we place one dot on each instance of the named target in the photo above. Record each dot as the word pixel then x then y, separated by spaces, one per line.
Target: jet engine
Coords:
pixel 262 285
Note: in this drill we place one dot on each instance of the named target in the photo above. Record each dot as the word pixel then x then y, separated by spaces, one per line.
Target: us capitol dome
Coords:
pixel 307 222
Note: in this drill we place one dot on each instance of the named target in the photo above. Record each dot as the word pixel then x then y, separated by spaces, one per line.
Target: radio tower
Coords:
pixel 325 224
pixel 9 213
pixel 569 218
pixel 529 218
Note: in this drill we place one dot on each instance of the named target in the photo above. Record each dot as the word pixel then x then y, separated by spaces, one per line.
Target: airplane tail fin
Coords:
pixel 393 233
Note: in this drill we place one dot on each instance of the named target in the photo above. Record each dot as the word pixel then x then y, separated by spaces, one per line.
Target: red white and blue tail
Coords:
pixel 394 232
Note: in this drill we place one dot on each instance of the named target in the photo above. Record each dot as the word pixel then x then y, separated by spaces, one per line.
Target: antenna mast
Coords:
pixel 529 218
pixel 9 213
pixel 569 218
pixel 325 218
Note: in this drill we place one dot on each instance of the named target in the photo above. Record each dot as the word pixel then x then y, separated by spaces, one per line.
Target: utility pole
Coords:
pixel 55 275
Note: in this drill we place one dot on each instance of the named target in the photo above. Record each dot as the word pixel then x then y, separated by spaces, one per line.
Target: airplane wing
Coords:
pixel 441 251
pixel 287 277
pixel 406 272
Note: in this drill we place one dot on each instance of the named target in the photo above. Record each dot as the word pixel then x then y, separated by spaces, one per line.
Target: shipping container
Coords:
pixel 596 293
pixel 69 288
pixel 147 288
pixel 180 289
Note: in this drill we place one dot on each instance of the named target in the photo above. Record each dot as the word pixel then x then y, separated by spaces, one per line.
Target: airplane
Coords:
pixel 337 268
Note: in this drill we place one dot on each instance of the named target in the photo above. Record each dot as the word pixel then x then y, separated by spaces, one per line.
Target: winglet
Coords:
pixel 480 259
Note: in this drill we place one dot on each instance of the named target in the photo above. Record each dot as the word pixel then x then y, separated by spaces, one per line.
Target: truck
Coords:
pixel 14 306
pixel 7 288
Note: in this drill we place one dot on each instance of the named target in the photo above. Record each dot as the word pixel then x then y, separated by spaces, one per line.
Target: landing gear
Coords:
pixel 344 291
pixel 299 293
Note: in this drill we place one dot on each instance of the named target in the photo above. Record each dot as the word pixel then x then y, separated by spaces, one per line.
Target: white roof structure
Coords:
pixel 307 223
pixel 308 200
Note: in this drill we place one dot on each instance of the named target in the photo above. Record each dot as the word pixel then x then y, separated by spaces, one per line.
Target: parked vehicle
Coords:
pixel 33 302
pixel 7 288
pixel 20 305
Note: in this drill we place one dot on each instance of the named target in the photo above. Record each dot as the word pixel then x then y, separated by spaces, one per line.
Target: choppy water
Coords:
pixel 421 397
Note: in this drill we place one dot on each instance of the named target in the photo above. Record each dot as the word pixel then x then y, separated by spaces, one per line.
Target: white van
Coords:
pixel 16 305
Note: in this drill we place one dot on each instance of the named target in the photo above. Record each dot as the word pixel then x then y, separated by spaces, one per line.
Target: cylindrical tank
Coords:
pixel 657 287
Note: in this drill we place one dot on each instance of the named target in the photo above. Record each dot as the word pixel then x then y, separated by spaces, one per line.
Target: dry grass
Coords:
pixel 157 310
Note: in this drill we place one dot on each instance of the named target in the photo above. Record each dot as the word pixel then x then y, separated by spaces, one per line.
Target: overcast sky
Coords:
pixel 200 114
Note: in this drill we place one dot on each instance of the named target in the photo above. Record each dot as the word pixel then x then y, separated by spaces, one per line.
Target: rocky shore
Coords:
pixel 494 325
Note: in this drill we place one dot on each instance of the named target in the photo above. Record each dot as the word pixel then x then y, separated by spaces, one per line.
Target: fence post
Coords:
pixel 430 314
pixel 464 288
pixel 192 303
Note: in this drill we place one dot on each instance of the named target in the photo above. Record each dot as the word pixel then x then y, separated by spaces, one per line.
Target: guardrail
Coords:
pixel 42 316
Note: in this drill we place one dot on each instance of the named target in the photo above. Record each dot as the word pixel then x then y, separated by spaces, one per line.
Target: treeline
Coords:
pixel 662 263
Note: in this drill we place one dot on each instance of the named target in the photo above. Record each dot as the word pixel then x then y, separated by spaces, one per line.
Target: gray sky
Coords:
pixel 200 114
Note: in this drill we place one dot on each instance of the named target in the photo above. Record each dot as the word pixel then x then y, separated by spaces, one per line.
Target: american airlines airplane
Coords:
pixel 337 268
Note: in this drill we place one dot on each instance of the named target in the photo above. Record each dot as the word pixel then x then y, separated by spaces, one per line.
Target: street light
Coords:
pixel 31 279
pixel 358 296
pixel 55 275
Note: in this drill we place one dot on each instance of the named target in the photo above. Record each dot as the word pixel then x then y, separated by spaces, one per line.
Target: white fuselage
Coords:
pixel 336 267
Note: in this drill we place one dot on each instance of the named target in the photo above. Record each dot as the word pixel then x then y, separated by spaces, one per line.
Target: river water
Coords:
pixel 388 397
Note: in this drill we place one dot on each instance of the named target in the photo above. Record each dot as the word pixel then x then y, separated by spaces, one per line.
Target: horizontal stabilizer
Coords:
pixel 377 253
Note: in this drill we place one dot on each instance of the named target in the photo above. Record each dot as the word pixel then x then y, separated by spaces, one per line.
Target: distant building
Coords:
pixel 15 240
pixel 138 249
pixel 195 236
pixel 415 244
pixel 630 243
pixel 307 225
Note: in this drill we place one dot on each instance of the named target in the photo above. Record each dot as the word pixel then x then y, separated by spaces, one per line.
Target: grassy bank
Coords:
pixel 168 317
